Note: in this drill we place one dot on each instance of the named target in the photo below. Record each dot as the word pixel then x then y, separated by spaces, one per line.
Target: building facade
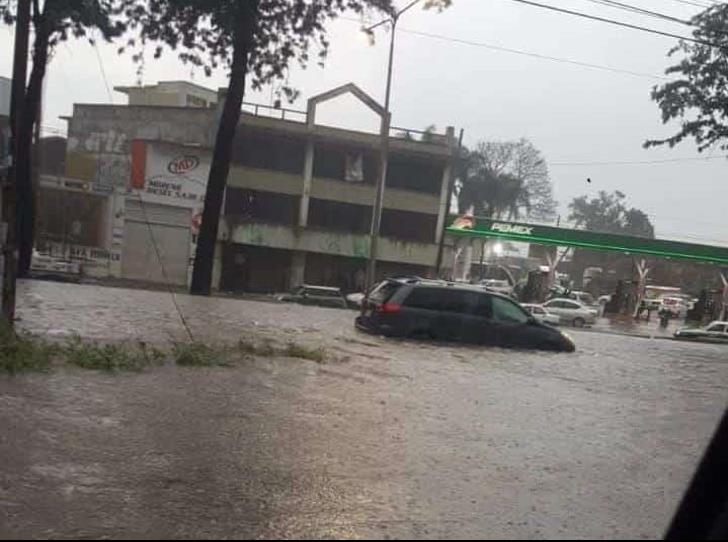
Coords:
pixel 299 195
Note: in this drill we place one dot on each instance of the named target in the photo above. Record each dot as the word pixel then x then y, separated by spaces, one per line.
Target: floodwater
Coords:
pixel 390 439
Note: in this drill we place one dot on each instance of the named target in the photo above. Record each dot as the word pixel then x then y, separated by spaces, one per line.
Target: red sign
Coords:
pixel 183 164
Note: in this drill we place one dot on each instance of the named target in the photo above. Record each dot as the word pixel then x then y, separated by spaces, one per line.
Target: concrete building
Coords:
pixel 170 93
pixel 5 86
pixel 299 197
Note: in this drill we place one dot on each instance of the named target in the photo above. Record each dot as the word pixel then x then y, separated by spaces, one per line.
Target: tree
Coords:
pixel 506 179
pixel 261 38
pixel 607 213
pixel 698 95
pixel 53 22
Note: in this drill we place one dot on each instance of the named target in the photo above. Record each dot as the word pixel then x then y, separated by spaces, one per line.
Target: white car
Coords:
pixel 715 331
pixel 571 312
pixel 541 314
pixel 498 286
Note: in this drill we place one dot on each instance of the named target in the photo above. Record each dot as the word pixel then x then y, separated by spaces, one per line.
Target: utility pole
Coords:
pixel 17 102
pixel 454 171
pixel 384 154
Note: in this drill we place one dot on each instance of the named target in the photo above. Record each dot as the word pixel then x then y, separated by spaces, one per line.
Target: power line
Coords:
pixel 520 52
pixel 527 53
pixel 638 162
pixel 103 72
pixel 640 11
pixel 617 23
pixel 660 16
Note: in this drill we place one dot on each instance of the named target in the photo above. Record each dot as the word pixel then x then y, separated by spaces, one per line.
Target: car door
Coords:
pixel 510 324
pixel 476 321
pixel 452 321
pixel 428 312
pixel 557 307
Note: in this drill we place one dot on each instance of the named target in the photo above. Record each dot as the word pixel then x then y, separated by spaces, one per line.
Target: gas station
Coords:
pixel 472 227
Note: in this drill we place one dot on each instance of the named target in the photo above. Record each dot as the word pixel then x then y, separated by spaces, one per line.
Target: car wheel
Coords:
pixel 579 322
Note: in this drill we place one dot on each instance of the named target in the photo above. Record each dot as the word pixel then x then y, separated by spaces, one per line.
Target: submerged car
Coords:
pixel 322 296
pixel 713 332
pixel 540 313
pixel 455 312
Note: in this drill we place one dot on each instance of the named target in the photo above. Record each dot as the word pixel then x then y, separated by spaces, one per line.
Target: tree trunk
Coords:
pixel 25 189
pixel 220 166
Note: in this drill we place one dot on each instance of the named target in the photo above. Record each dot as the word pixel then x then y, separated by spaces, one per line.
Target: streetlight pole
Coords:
pixel 371 271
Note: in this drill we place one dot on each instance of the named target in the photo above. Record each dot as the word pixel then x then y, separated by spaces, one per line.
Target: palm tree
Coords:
pixel 495 195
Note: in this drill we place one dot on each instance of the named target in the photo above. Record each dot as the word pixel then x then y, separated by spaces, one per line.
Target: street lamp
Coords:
pixel 384 151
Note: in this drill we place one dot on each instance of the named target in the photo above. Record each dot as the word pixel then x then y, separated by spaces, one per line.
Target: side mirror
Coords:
pixel 532 320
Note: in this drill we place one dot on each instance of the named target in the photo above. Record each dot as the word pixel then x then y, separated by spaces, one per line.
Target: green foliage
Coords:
pixel 21 353
pixel 61 19
pixel 608 213
pixel 198 354
pixel 697 96
pixel 506 179
pixel 113 357
pixel 294 350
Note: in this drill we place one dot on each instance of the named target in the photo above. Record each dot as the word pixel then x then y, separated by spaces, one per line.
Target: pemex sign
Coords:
pixel 551 235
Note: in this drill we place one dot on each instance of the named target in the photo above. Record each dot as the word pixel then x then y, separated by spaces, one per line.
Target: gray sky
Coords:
pixel 571 113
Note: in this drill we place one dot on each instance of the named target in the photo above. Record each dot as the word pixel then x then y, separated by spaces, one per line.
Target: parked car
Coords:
pixel 322 296
pixel 585 298
pixel 541 314
pixel 571 312
pixel 355 300
pixel 459 312
pixel 713 332
pixel 499 286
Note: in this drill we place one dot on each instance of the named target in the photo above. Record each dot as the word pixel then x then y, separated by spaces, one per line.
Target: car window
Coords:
pixel 384 291
pixel 555 304
pixel 449 300
pixel 720 328
pixel 538 310
pixel 571 305
pixel 508 312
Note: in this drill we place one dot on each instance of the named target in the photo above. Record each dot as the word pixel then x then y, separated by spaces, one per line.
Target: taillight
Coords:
pixel 390 308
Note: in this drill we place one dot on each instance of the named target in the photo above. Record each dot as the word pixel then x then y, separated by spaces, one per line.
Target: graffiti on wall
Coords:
pixel 108 141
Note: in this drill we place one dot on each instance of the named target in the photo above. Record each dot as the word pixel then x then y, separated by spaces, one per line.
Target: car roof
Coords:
pixel 438 283
pixel 565 299
pixel 718 322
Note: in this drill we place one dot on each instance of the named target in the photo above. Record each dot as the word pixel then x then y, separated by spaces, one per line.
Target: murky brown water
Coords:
pixel 396 439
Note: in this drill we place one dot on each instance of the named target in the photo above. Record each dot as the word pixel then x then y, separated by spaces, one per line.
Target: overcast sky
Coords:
pixel 573 114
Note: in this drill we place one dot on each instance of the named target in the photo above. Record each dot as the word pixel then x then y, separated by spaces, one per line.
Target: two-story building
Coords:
pixel 299 195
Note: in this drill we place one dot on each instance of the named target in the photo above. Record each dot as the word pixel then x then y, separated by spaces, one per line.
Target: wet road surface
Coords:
pixel 390 439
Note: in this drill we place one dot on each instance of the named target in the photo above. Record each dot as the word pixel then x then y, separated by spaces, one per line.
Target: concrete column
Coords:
pixel 307 180
pixel 642 271
pixel 442 210
pixel 298 269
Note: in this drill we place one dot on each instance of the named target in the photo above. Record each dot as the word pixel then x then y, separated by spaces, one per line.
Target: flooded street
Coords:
pixel 388 439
